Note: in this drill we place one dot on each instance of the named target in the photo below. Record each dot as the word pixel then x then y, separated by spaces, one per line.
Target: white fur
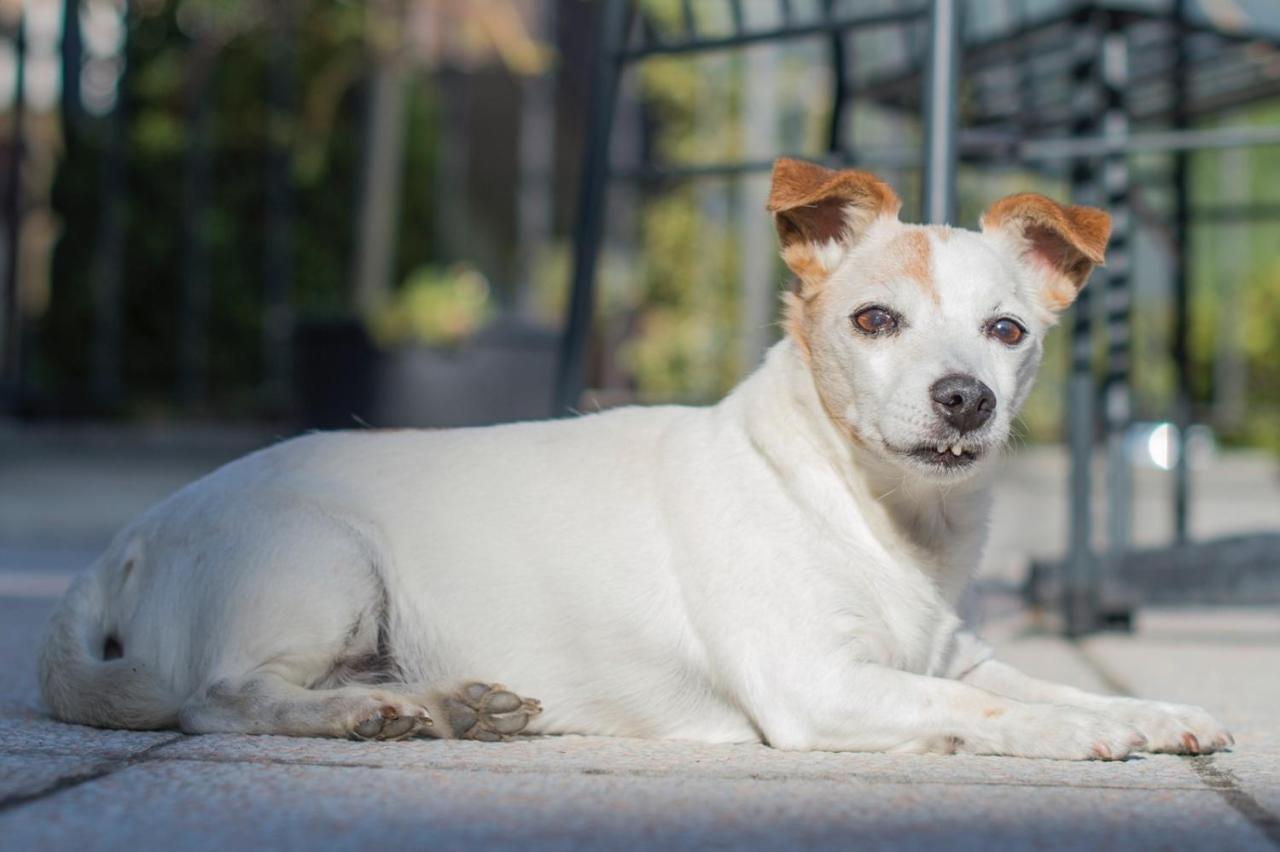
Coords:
pixel 765 569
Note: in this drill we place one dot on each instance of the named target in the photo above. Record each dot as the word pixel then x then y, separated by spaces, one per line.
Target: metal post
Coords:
pixel 381 160
pixel 839 90
pixel 10 328
pixel 1080 586
pixel 1117 402
pixel 71 57
pixel 1181 288
pixel 940 118
pixel 535 203
pixel 589 224
pixel 1024 76
pixel 193 319
pixel 105 368
pixel 758 297
pixel 277 255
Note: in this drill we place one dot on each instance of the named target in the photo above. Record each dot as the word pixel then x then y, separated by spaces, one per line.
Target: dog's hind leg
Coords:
pixel 301 643
pixel 267 702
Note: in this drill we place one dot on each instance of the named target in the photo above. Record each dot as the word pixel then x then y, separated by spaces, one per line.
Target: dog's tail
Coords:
pixel 86 675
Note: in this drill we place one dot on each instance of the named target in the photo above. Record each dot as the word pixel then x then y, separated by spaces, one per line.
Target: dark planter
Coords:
pixel 505 372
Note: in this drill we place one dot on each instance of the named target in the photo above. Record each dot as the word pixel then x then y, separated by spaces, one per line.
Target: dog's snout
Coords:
pixel 963 401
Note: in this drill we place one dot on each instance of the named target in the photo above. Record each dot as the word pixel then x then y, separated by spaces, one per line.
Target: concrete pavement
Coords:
pixel 64 786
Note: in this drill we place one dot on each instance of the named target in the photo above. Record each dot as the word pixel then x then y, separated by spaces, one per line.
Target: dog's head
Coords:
pixel 923 341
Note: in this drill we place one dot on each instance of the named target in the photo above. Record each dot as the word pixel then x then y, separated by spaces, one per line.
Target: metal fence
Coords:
pixel 1070 89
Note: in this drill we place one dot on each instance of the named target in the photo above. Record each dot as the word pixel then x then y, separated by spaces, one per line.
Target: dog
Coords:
pixel 782 567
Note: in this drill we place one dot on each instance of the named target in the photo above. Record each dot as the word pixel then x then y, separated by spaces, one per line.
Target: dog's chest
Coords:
pixel 885 594
pixel 886 611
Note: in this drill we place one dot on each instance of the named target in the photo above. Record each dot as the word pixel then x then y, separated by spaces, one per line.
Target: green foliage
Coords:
pixel 684 345
pixel 1235 279
pixel 437 306
pixel 682 315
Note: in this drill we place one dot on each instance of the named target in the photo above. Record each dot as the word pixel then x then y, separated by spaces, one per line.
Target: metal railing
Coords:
pixel 1086 45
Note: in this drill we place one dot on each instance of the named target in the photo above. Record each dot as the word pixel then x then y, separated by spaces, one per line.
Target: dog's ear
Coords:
pixel 821 213
pixel 1060 244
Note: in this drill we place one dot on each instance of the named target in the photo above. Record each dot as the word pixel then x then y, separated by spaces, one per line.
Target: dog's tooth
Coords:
pixel 955 451
pixel 942 448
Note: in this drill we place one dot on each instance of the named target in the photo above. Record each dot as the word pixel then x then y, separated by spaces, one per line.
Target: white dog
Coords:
pixel 781 567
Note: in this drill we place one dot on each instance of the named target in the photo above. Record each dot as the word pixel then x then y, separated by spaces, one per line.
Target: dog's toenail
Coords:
pixel 1189 740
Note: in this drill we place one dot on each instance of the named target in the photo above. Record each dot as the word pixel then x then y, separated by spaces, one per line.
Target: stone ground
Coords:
pixel 64 786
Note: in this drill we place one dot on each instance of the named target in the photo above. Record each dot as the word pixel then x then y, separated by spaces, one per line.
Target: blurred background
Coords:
pixel 224 221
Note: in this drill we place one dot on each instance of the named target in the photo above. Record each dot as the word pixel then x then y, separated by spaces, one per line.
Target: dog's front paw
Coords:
pixel 1173 728
pixel 1063 733
pixel 489 712
pixel 384 716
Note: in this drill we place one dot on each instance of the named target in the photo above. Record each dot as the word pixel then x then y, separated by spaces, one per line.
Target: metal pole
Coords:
pixel 535 201
pixel 1160 141
pixel 839 91
pixel 589 224
pixel 1080 583
pixel 105 370
pixel 71 57
pixel 1181 288
pixel 1117 402
pixel 759 283
pixel 193 319
pixel 277 256
pixel 10 329
pixel 940 118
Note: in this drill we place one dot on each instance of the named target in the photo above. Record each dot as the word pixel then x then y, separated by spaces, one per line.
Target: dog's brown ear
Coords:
pixel 821 213
pixel 1061 243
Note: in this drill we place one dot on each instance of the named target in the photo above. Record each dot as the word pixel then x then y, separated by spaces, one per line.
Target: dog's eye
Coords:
pixel 875 320
pixel 1007 331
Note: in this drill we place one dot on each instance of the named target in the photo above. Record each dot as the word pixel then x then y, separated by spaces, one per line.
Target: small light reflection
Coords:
pixel 1163 447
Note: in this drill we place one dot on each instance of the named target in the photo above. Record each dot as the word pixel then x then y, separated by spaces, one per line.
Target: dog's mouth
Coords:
pixel 944 456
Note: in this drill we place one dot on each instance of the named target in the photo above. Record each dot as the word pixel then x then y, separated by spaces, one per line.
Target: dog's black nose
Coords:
pixel 963 401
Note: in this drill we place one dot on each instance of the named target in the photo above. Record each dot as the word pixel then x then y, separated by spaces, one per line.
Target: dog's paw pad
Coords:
pixel 391 723
pixel 489 712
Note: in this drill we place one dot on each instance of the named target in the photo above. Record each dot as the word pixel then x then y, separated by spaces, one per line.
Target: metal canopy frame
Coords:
pixel 1070 92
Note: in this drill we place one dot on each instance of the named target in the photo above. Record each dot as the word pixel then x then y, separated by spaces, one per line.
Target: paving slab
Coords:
pixel 1226 659
pixel 22 621
pixel 196 806
pixel 28 730
pixel 26 776
pixel 658 758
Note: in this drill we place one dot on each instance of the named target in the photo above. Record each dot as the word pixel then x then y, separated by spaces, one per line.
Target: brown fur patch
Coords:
pixel 1067 240
pixel 912 252
pixel 993 712
pixel 794 322
pixel 801 260
pixel 813 205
